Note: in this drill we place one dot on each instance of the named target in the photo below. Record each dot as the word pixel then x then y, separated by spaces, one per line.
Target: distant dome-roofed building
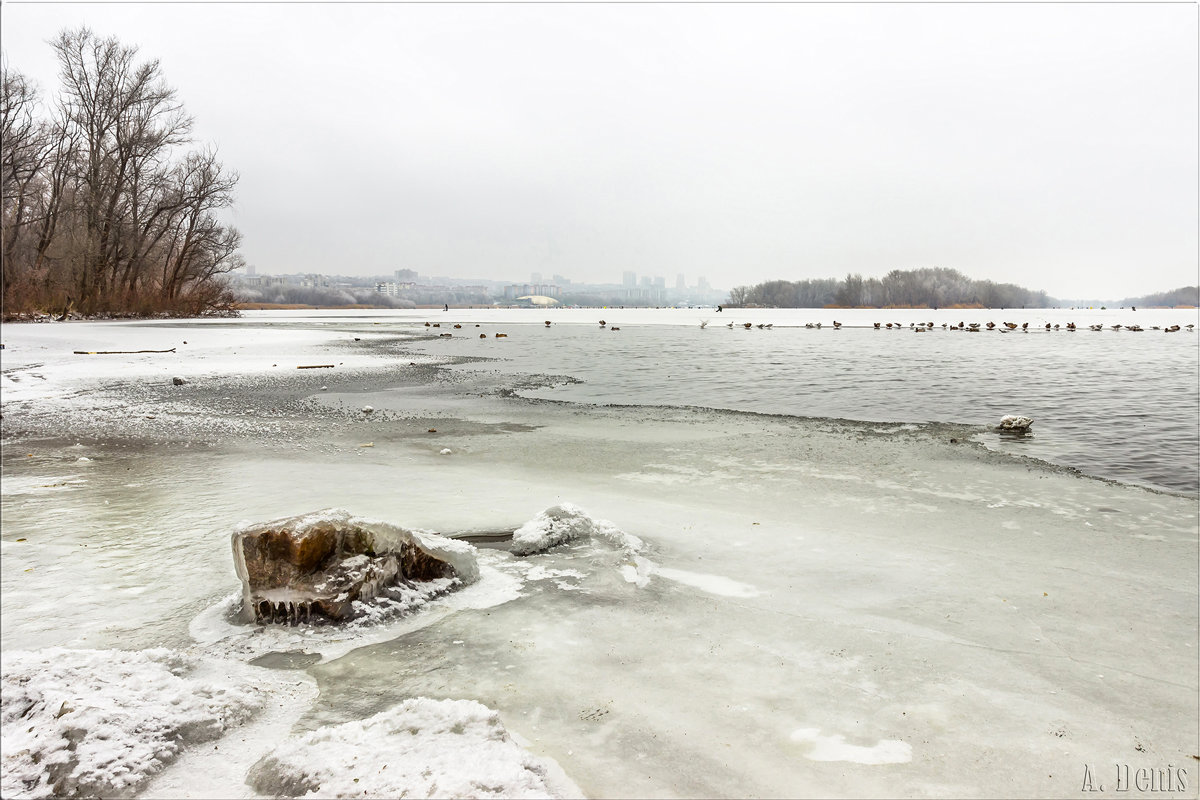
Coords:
pixel 537 300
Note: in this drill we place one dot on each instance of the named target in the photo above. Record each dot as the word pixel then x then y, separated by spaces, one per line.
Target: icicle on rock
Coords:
pixel 321 564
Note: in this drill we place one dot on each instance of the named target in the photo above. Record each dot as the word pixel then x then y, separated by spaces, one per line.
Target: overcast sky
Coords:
pixel 1053 146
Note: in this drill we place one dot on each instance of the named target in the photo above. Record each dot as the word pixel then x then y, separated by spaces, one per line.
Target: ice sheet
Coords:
pixel 876 586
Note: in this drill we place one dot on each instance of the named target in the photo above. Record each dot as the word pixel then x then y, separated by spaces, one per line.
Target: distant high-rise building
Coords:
pixel 646 282
pixel 660 282
pixel 561 281
pixel 406 276
pixel 249 269
pixel 535 277
pixel 702 284
pixel 629 280
pixel 680 283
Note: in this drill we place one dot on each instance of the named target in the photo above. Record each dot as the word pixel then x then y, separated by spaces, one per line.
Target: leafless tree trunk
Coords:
pixel 97 203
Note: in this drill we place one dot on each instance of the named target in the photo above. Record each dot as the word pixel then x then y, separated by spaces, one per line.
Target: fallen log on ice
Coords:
pixel 315 366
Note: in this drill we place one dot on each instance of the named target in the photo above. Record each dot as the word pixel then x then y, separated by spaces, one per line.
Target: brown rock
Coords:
pixel 296 568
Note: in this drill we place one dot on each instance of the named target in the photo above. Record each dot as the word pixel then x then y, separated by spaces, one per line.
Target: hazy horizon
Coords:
pixel 1049 146
pixel 691 283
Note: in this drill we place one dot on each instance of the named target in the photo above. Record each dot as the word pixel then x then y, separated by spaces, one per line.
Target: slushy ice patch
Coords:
pixel 92 723
pixel 329 565
pixel 419 748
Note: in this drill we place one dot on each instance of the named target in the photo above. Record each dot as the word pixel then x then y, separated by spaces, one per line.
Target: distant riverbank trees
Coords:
pixel 1187 296
pixel 105 209
pixel 934 287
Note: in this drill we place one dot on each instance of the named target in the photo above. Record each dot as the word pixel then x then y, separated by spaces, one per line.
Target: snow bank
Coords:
pixel 565 523
pixel 419 748
pixel 100 723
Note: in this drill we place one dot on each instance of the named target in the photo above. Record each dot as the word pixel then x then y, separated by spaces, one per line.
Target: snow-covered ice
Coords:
pixel 567 523
pixel 418 748
pixel 91 723
pixel 835 748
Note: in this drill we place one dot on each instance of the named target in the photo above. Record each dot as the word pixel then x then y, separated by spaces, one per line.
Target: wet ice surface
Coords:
pixel 818 608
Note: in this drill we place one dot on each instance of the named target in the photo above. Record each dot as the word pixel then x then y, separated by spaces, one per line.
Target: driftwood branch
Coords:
pixel 118 352
pixel 316 366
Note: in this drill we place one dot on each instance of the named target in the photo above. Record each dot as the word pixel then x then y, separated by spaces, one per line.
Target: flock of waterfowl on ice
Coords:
pixel 915 327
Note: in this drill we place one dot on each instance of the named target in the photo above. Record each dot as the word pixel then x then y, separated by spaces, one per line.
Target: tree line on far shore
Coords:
pixel 1183 296
pixel 105 209
pixel 933 287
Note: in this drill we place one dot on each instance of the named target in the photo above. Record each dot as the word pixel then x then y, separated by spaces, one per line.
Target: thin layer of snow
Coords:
pixel 567 523
pixel 101 722
pixel 713 584
pixel 835 748
pixel 419 748
pixel 220 770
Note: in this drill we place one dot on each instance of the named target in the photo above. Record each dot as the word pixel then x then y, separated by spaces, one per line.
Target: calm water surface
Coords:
pixel 1114 404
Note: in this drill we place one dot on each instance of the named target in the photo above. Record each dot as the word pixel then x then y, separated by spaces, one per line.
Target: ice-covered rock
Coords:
pixel 1012 422
pixel 329 563
pixel 100 723
pixel 419 748
pixel 564 523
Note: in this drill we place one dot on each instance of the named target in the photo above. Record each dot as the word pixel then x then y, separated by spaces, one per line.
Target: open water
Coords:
pixel 1115 404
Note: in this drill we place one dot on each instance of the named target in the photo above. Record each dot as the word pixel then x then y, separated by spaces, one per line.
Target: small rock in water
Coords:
pixel 1012 422
pixel 368 410
pixel 324 388
pixel 446 451
pixel 178 381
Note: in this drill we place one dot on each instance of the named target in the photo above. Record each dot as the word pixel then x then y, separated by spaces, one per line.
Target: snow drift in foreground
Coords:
pixel 566 523
pixel 419 748
pixel 91 723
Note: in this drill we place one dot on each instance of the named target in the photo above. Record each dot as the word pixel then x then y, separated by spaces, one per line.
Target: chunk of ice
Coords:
pixel 565 523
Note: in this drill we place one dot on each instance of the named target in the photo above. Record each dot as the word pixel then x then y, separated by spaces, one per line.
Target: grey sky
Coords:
pixel 1054 146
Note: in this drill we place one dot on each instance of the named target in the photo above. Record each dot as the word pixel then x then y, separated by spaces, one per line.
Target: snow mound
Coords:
pixel 93 723
pixel 419 748
pixel 565 523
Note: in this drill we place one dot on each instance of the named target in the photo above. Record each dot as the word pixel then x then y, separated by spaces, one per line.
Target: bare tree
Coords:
pixel 127 119
pixel 98 204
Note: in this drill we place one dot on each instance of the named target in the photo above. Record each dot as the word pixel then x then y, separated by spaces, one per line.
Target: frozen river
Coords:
pixel 847 584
